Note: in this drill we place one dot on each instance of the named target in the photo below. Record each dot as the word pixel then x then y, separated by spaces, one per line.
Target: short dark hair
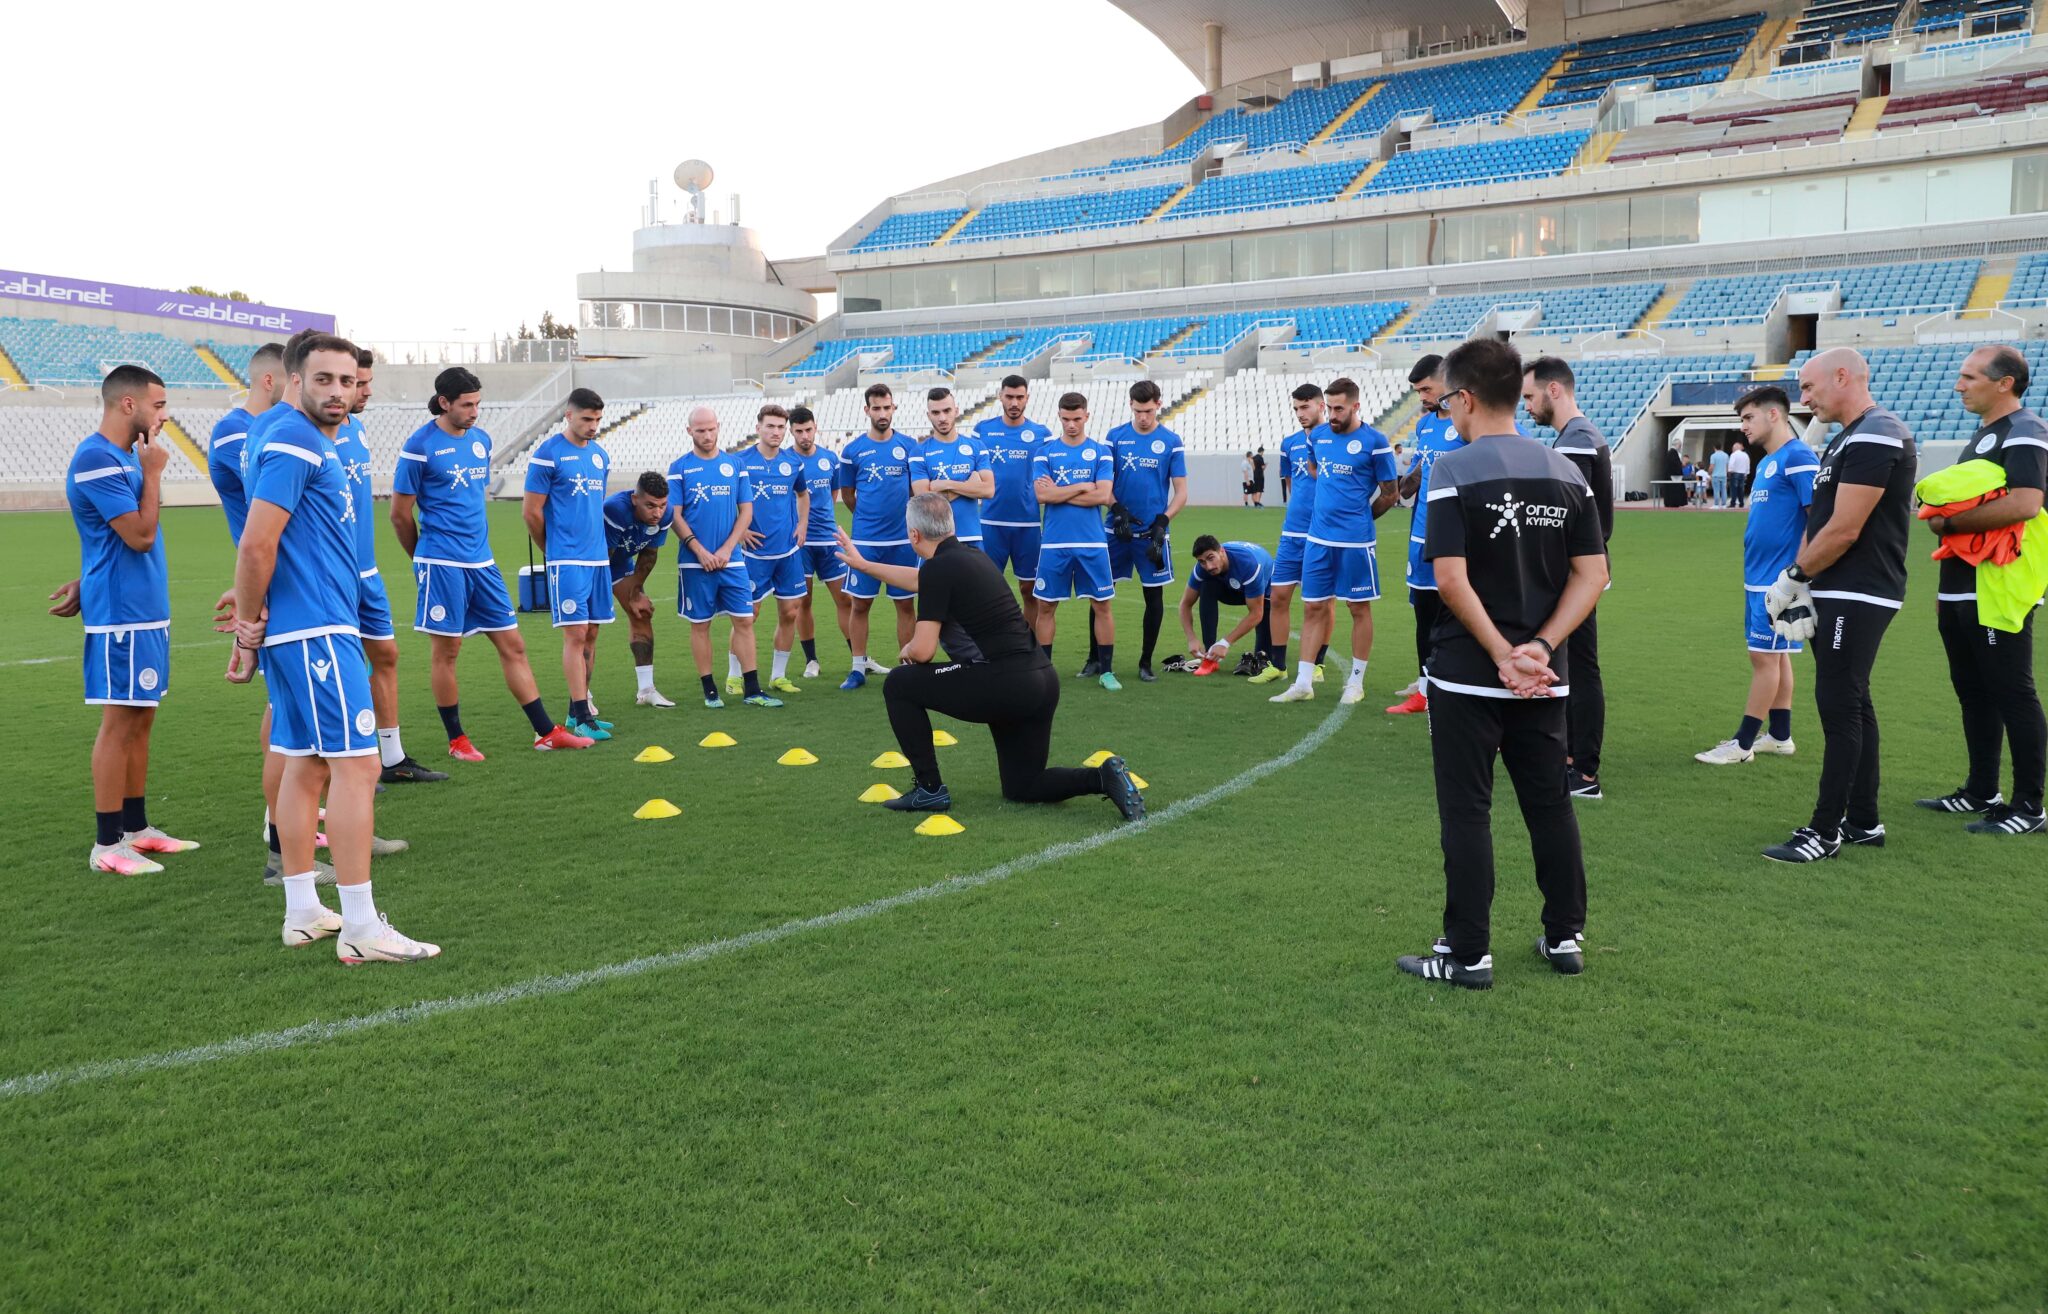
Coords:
pixel 938 394
pixel 2008 363
pixel 1073 401
pixel 1340 387
pixel 1488 369
pixel 770 411
pixel 1768 395
pixel 1423 367
pixel 1308 392
pixel 652 483
pixel 1205 543
pixel 451 383
pixel 365 358
pixel 127 381
pixel 268 355
pixel 324 342
pixel 1549 369
pixel 585 399
pixel 876 390
pixel 1144 390
pixel 1015 381
pixel 295 350
pixel 801 415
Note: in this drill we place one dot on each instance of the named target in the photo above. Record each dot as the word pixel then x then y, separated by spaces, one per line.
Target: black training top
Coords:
pixel 1582 443
pixel 1874 449
pixel 979 620
pixel 1517 512
pixel 2019 442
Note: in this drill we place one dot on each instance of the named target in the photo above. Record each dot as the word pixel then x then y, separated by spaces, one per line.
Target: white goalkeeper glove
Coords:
pixel 1219 650
pixel 1789 604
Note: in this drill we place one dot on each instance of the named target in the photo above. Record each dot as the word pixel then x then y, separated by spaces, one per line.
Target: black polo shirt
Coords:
pixel 978 617
pixel 1582 443
pixel 1875 449
pixel 2019 443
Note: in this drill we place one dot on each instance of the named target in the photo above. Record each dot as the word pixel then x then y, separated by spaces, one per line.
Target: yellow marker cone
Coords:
pixel 718 739
pixel 798 757
pixel 892 758
pixel 1139 781
pixel 939 824
pixel 655 753
pixel 655 808
pixel 1097 758
pixel 940 739
pixel 878 794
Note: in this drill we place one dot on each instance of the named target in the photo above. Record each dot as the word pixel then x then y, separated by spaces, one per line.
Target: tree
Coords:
pixel 199 291
pixel 525 334
pixel 551 328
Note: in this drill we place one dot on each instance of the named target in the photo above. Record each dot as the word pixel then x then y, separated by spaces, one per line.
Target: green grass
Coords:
pixel 1176 1072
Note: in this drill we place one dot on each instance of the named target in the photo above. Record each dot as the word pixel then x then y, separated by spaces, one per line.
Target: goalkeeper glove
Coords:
pixel 1120 521
pixel 1157 549
pixel 1789 604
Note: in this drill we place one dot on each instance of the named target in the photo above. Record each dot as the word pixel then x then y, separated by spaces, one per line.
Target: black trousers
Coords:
pixel 1216 591
pixel 1428 606
pixel 1844 648
pixel 1993 675
pixel 1016 701
pixel 1587 702
pixel 1465 734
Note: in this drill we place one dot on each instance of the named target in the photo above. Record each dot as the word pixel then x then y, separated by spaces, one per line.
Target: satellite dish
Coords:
pixel 693 176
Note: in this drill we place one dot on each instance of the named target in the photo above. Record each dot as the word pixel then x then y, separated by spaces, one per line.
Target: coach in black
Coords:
pixel 1520 561
pixel 995 674
pixel 1993 669
pixel 1840 594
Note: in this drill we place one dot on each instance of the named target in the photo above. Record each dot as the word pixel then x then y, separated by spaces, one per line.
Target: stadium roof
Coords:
pixel 1265 36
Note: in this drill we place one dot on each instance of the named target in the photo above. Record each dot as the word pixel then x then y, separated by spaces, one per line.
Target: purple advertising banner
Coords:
pixel 49 290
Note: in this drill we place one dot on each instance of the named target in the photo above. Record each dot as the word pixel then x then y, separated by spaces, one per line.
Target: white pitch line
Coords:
pixel 541 987
pixel 72 656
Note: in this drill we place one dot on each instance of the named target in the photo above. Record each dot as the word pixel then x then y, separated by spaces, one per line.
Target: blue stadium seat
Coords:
pixel 915 228
pixel 1942 284
pixel 58 354
pixel 1919 384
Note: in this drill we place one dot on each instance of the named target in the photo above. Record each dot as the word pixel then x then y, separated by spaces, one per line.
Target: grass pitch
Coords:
pixel 1177 1071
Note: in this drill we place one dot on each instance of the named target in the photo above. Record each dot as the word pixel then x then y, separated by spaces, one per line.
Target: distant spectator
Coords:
pixel 1738 474
pixel 1717 463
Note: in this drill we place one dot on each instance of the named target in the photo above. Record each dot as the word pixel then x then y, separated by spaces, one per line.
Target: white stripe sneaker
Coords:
pixel 1442 967
pixel 1725 753
pixel 2008 820
pixel 301 929
pixel 380 942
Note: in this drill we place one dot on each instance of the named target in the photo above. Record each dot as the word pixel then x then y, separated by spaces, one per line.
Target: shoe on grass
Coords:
pixel 784 685
pixel 1726 753
pixel 273 871
pixel 1294 693
pixel 380 942
pixel 407 770
pixel 1443 967
pixel 652 698
pixel 1806 845
pixel 1121 789
pixel 921 799
pixel 591 730
pixel 1962 800
pixel 121 860
pixel 2008 820
pixel 302 929
pixel 1567 957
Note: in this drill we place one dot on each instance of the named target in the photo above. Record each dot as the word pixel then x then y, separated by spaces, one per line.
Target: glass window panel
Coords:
pixel 697 319
pixel 2030 184
pixel 1207 263
pixel 721 320
pixel 1407 243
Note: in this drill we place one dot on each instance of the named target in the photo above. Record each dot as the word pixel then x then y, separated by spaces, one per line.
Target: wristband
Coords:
pixel 247 647
pixel 1796 575
pixel 1548 646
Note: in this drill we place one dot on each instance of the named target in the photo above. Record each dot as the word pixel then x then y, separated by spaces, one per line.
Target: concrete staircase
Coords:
pixel 1595 152
pixel 10 373
pixel 612 426
pixel 1181 406
pixel 1398 323
pixel 1168 204
pixel 219 366
pixel 1365 175
pixel 976 358
pixel 1542 87
pixel 958 224
pixel 1398 424
pixel 1180 335
pixel 183 442
pixel 1330 129
pixel 1660 309
pixel 1863 123
pixel 1756 61
pixel 1990 290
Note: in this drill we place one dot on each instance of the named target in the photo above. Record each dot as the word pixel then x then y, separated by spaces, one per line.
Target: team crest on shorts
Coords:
pixel 437 612
pixel 366 721
pixel 147 679
pixel 568 606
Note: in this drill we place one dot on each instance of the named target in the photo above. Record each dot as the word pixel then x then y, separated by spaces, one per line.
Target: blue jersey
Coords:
pixel 314 589
pixel 1434 435
pixel 821 470
pixel 880 475
pixel 224 467
pixel 959 460
pixel 352 445
pixel 1350 467
pixel 1066 464
pixel 625 537
pixel 118 587
pixel 1009 456
pixel 1250 570
pixel 707 493
pixel 1298 459
pixel 448 473
pixel 1779 496
pixel 775 484
pixel 1146 466
pixel 572 478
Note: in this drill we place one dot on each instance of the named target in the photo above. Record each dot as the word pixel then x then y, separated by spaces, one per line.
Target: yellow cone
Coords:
pixel 655 753
pixel 1139 781
pixel 892 758
pixel 1097 758
pixel 718 739
pixel 940 739
pixel 878 794
pixel 798 757
pixel 655 808
pixel 939 824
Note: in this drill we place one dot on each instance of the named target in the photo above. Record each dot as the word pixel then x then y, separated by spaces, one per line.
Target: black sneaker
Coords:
pixel 1145 674
pixel 1089 671
pixel 1960 801
pixel 1443 967
pixel 1869 839
pixel 1580 785
pixel 1566 957
pixel 922 800
pixel 2004 819
pixel 409 771
pixel 1122 790
pixel 1806 845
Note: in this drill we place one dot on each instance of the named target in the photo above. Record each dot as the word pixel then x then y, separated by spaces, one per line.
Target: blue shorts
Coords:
pixel 783 576
pixel 1421 573
pixel 458 601
pixel 867 586
pixel 1066 573
pixel 623 564
pixel 1014 546
pixel 1287 561
pixel 128 668
pixel 1757 626
pixel 821 561
pixel 1347 574
pixel 580 594
pixel 373 608
pixel 702 594
pixel 320 697
pixel 1127 555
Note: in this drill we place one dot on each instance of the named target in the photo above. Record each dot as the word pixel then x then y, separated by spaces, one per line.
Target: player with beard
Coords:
pixel 1298 477
pixel 820 556
pixel 879 472
pixel 1435 435
pixel 1010 531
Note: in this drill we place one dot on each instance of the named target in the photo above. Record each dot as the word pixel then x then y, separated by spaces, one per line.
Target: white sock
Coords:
pixel 1357 671
pixel 299 895
pixel 1305 674
pixel 732 666
pixel 266 825
pixel 860 662
pixel 389 751
pixel 357 907
pixel 645 675
pixel 780 666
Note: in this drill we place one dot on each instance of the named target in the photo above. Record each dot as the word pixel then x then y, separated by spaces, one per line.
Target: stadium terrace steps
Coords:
pixel 612 426
pixel 1543 86
pixel 1365 176
pixel 1184 403
pixel 1398 421
pixel 9 374
pixel 1863 123
pixel 977 357
pixel 1757 60
pixel 1168 203
pixel 1660 309
pixel 220 367
pixel 183 442
pixel 1400 322
pixel 1180 335
pixel 1771 373
pixel 1990 290
pixel 1596 150
pixel 1330 128
pixel 958 224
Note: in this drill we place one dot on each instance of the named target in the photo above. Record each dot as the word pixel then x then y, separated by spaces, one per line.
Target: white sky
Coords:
pixel 474 158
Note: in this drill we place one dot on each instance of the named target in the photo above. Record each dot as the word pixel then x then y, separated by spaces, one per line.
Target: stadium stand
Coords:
pixel 1252 408
pixel 235 355
pixel 1542 156
pixel 2003 90
pixel 1452 93
pixel 1290 123
pixel 1920 384
pixel 1938 285
pixel 1062 214
pixel 1832 23
pixel 929 351
pixel 36 442
pixel 1585 309
pixel 1305 184
pixel 79 355
pixel 2029 282
pixel 1736 125
pixel 912 228
pixel 1673 57
pixel 1613 390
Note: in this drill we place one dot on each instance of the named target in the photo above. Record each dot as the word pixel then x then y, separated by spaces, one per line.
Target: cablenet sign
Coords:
pixel 50 290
